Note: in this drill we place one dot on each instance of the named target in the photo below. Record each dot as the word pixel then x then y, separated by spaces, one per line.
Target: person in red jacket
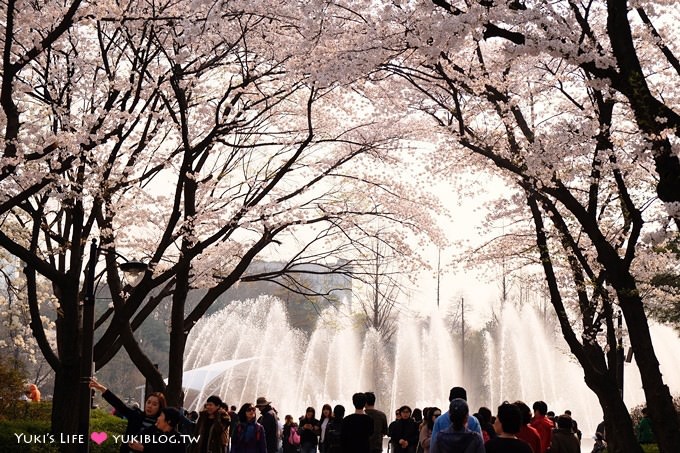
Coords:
pixel 543 424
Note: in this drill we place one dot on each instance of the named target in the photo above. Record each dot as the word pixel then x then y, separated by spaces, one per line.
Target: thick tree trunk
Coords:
pixel 64 407
pixel 65 404
pixel 618 424
pixel 599 373
pixel 659 400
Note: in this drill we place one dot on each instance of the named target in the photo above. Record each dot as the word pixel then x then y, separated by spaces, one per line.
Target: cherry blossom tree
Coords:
pixel 586 169
pixel 628 46
pixel 195 138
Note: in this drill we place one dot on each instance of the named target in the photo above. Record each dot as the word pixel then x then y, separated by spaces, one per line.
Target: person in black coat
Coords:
pixel 270 422
pixel 310 429
pixel 404 432
pixel 332 440
pixel 289 426
pixel 138 420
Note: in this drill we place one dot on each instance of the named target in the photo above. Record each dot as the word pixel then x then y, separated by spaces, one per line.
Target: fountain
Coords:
pixel 522 360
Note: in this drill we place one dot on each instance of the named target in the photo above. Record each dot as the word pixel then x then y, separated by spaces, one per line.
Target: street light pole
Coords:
pixel 462 339
pixel 620 354
pixel 86 365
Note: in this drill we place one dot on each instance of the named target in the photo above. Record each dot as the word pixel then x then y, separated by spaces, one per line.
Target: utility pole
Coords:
pixel 86 365
pixel 462 339
pixel 619 354
pixel 439 272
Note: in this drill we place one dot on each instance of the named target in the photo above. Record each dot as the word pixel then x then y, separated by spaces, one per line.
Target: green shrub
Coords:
pixel 12 388
pixel 10 429
pixel 39 425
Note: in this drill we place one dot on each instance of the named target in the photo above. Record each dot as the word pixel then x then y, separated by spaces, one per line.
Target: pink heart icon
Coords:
pixel 98 438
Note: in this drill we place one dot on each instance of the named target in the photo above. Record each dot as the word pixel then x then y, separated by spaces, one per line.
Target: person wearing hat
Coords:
pixel 163 437
pixel 443 421
pixel 212 428
pixel 457 438
pixel 269 420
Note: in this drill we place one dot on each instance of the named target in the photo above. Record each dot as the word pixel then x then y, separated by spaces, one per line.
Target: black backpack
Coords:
pixel 449 441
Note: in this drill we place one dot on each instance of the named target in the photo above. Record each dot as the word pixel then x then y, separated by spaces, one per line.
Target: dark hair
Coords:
pixel 417 415
pixel 458 412
pixel 564 422
pixel 484 415
pixel 510 418
pixel 370 398
pixel 339 411
pixel 310 409
pixel 172 416
pixel 457 392
pixel 524 411
pixel 404 408
pixel 359 400
pixel 242 412
pixel 540 407
pixel 330 412
pixel 216 400
pixel 430 413
pixel 162 403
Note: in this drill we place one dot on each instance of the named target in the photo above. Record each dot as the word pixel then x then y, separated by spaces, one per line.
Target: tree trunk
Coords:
pixel 618 424
pixel 64 408
pixel 178 338
pixel 599 373
pixel 65 403
pixel 659 400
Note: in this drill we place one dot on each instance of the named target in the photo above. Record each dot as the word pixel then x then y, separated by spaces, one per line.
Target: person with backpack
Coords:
pixel 249 435
pixel 289 436
pixel 457 438
pixel 333 440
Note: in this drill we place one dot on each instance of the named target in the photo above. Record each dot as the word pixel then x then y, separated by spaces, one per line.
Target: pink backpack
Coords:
pixel 294 437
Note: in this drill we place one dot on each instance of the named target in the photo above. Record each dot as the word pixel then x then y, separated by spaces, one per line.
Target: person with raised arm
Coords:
pixel 138 419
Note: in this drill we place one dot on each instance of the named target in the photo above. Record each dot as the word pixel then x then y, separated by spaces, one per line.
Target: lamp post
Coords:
pixel 133 272
pixel 619 354
pixel 85 395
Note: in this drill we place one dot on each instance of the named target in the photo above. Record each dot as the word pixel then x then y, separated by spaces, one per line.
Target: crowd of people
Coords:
pixel 256 428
